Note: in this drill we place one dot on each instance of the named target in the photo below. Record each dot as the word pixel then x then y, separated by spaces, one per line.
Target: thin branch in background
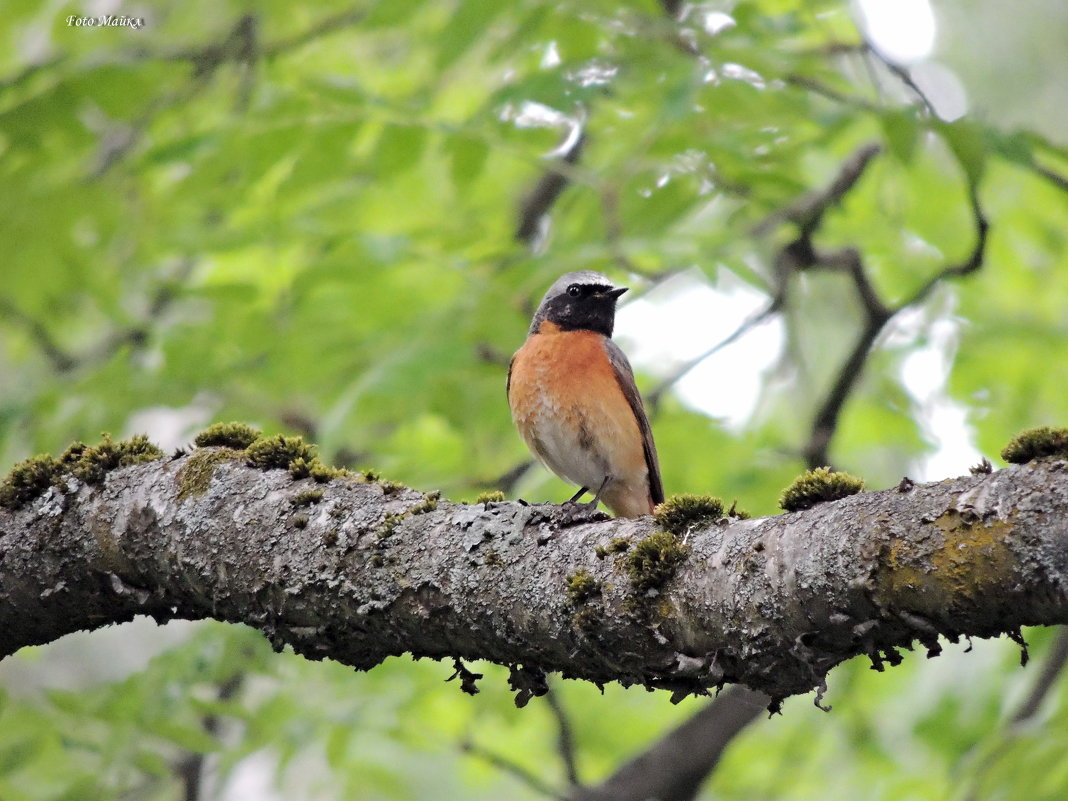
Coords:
pixel 675 767
pixel 133 335
pixel 512 768
pixel 656 396
pixel 808 210
pixel 1054 178
pixel 966 267
pixel 820 88
pixel 62 361
pixel 191 768
pixel 903 75
pixel 546 192
pixel 1052 668
pixel 565 739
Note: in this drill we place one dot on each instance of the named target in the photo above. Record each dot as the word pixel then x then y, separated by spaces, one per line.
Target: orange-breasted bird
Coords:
pixel 575 403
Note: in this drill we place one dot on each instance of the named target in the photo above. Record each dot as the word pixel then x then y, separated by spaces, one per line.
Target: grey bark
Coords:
pixel 772 603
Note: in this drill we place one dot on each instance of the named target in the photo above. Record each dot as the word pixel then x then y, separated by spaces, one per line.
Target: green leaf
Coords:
pixel 967 141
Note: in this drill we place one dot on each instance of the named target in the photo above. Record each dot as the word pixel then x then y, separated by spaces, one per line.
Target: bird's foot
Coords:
pixel 574 514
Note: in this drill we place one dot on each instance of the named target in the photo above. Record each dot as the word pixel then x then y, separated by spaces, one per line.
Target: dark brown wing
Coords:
pixel 625 377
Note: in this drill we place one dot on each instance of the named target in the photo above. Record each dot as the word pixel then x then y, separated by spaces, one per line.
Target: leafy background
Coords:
pixel 304 216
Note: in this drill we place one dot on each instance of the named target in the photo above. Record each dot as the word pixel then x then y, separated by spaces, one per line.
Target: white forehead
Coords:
pixel 588 277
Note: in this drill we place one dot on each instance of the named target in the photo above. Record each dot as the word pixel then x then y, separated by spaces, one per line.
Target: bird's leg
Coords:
pixel 579 494
pixel 597 495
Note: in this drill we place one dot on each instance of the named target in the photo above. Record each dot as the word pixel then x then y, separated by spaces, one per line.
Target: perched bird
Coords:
pixel 575 403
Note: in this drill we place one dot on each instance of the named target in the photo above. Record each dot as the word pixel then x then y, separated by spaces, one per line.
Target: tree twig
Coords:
pixel 565 738
pixel 674 767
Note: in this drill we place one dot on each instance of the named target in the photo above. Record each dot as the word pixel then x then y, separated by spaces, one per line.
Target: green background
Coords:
pixel 304 219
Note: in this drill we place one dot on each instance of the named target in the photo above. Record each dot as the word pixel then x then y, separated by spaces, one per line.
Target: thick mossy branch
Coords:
pixel 1036 443
pixel 357 571
pixel 818 486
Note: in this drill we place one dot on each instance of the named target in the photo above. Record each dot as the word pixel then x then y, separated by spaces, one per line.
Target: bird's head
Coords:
pixel 580 301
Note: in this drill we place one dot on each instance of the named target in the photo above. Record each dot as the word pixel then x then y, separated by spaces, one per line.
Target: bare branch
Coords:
pixel 513 769
pixel 565 737
pixel 546 192
pixel 674 768
pixel 1047 679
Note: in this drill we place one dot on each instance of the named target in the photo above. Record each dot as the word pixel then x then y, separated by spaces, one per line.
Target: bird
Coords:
pixel 574 401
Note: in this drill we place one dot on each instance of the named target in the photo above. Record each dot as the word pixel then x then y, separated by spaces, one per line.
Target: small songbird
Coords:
pixel 575 403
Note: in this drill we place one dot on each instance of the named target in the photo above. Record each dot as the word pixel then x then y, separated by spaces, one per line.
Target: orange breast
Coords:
pixel 568 407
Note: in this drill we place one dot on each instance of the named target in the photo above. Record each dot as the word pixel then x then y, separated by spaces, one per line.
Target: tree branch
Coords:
pixel 371 571
pixel 674 768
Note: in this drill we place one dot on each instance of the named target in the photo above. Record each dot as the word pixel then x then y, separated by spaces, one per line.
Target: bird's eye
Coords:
pixel 574 290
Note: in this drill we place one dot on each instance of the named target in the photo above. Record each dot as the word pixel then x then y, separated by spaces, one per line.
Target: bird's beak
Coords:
pixel 615 293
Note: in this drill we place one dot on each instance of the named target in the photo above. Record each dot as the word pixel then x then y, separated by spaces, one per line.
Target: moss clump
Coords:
pixel 369 476
pixel 738 514
pixel 429 504
pixel 307 497
pixel 682 513
pixel 278 452
pixel 227 435
pixel 315 469
pixel 490 496
pixel 654 560
pixel 389 525
pixel 300 521
pixel 389 487
pixel 27 480
pixel 236 436
pixel 195 475
pixel 619 545
pixel 30 478
pixel 94 463
pixel 1036 443
pixel 581 586
pixel 817 486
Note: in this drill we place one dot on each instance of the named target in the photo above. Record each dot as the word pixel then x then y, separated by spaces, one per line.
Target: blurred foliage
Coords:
pixel 304 218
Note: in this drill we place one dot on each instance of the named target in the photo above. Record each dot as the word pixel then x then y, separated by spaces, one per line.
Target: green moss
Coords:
pixel 1036 443
pixel 94 463
pixel 738 514
pixel 389 487
pixel 195 475
pixel 682 513
pixel 818 486
pixel 227 435
pixel 369 476
pixel 330 537
pixel 278 452
pixel 654 560
pixel 490 496
pixel 389 525
pixel 619 545
pixel 30 478
pixel 300 521
pixel 313 468
pixel 581 586
pixel 307 497
pixel 429 504
pixel 27 480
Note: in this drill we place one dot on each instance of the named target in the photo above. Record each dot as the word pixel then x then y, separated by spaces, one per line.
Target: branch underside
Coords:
pixel 369 571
